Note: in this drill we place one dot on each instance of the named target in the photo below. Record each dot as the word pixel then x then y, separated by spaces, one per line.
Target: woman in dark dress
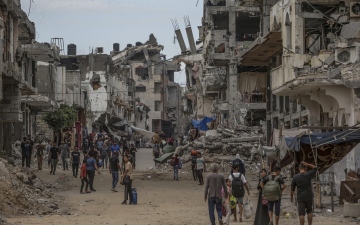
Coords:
pixel 262 216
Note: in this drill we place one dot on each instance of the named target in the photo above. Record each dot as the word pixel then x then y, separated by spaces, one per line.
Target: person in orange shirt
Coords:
pixel 84 178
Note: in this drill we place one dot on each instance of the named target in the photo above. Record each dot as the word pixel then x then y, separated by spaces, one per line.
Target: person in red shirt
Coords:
pixel 84 178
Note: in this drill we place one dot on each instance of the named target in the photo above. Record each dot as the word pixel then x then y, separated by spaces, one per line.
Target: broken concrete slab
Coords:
pixel 330 60
pixel 334 73
pixel 211 133
pixel 351 30
pixel 245 139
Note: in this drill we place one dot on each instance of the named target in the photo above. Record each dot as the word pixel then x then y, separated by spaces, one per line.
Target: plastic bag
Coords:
pixel 248 209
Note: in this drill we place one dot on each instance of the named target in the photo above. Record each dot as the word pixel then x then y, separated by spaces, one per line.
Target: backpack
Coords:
pixel 193 160
pixel 272 191
pixel 237 186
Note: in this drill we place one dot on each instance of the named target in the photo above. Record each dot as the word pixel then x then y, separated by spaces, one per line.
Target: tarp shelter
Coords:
pixel 202 124
pixel 145 133
pixel 325 148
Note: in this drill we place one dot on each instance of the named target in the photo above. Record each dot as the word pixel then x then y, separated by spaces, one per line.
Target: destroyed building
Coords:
pixel 154 95
pixel 21 97
pixel 276 64
pixel 217 84
pixel 105 93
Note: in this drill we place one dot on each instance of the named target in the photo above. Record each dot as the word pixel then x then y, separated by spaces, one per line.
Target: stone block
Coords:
pixel 334 73
pixel 14 110
pixel 351 209
pixel 330 60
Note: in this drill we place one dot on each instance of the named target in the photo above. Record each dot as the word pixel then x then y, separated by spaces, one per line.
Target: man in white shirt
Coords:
pixel 238 183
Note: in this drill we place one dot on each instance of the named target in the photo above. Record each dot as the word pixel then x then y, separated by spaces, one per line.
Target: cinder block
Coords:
pixel 351 209
pixel 14 110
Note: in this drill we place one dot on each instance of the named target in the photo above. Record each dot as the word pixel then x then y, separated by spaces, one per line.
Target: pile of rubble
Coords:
pixel 229 142
pixel 22 192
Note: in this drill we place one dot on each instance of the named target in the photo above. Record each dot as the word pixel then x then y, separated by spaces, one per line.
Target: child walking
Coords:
pixel 226 202
pixel 84 178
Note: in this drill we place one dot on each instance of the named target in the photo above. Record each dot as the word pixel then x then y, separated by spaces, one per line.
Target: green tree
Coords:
pixel 63 117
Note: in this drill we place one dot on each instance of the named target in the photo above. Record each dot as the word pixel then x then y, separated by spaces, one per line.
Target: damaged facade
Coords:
pixel 276 64
pixel 152 93
pixel 21 98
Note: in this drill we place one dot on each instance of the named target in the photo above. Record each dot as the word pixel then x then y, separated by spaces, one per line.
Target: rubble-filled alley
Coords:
pixel 257 110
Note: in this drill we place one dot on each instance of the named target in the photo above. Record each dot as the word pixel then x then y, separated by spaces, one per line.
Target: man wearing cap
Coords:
pixel 214 183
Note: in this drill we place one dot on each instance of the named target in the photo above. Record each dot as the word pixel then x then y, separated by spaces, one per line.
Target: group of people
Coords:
pixel 99 151
pixel 227 193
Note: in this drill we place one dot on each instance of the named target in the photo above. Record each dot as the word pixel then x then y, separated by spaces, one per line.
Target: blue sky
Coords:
pixel 100 23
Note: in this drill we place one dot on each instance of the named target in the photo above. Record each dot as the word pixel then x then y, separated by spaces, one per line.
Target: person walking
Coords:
pixel 214 183
pixel 99 143
pixel 238 182
pixel 115 148
pixel 39 155
pixel 27 153
pixel 133 151
pixel 75 161
pixel 91 167
pixel 305 196
pixel 156 151
pixel 193 156
pixel 48 147
pixel 64 151
pixel 273 186
pixel 175 165
pixel 127 179
pixel 103 155
pixel 114 168
pixel 31 147
pixel 200 168
pixel 23 156
pixel 261 217
pixel 53 156
pixel 226 201
pixel 83 178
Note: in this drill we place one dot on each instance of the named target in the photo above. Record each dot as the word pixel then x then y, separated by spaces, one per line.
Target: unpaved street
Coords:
pixel 160 201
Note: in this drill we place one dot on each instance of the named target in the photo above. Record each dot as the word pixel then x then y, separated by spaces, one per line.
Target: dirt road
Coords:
pixel 161 201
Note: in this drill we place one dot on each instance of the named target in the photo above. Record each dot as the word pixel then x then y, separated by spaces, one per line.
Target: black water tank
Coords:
pixel 138 43
pixel 129 45
pixel 116 47
pixel 71 49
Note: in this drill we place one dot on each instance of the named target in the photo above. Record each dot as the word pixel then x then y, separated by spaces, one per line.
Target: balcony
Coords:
pixel 300 73
pixel 43 52
pixel 12 76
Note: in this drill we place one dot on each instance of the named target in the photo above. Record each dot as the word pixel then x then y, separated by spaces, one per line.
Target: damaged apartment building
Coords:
pixel 155 96
pixel 104 92
pixel 21 100
pixel 278 64
pixel 217 84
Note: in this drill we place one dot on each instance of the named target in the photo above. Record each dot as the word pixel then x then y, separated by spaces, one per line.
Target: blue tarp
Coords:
pixel 201 124
pixel 317 139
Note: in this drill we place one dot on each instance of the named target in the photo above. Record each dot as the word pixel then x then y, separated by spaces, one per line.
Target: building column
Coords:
pixel 232 88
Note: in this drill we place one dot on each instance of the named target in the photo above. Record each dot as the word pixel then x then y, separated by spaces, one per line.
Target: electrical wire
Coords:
pixel 31 1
